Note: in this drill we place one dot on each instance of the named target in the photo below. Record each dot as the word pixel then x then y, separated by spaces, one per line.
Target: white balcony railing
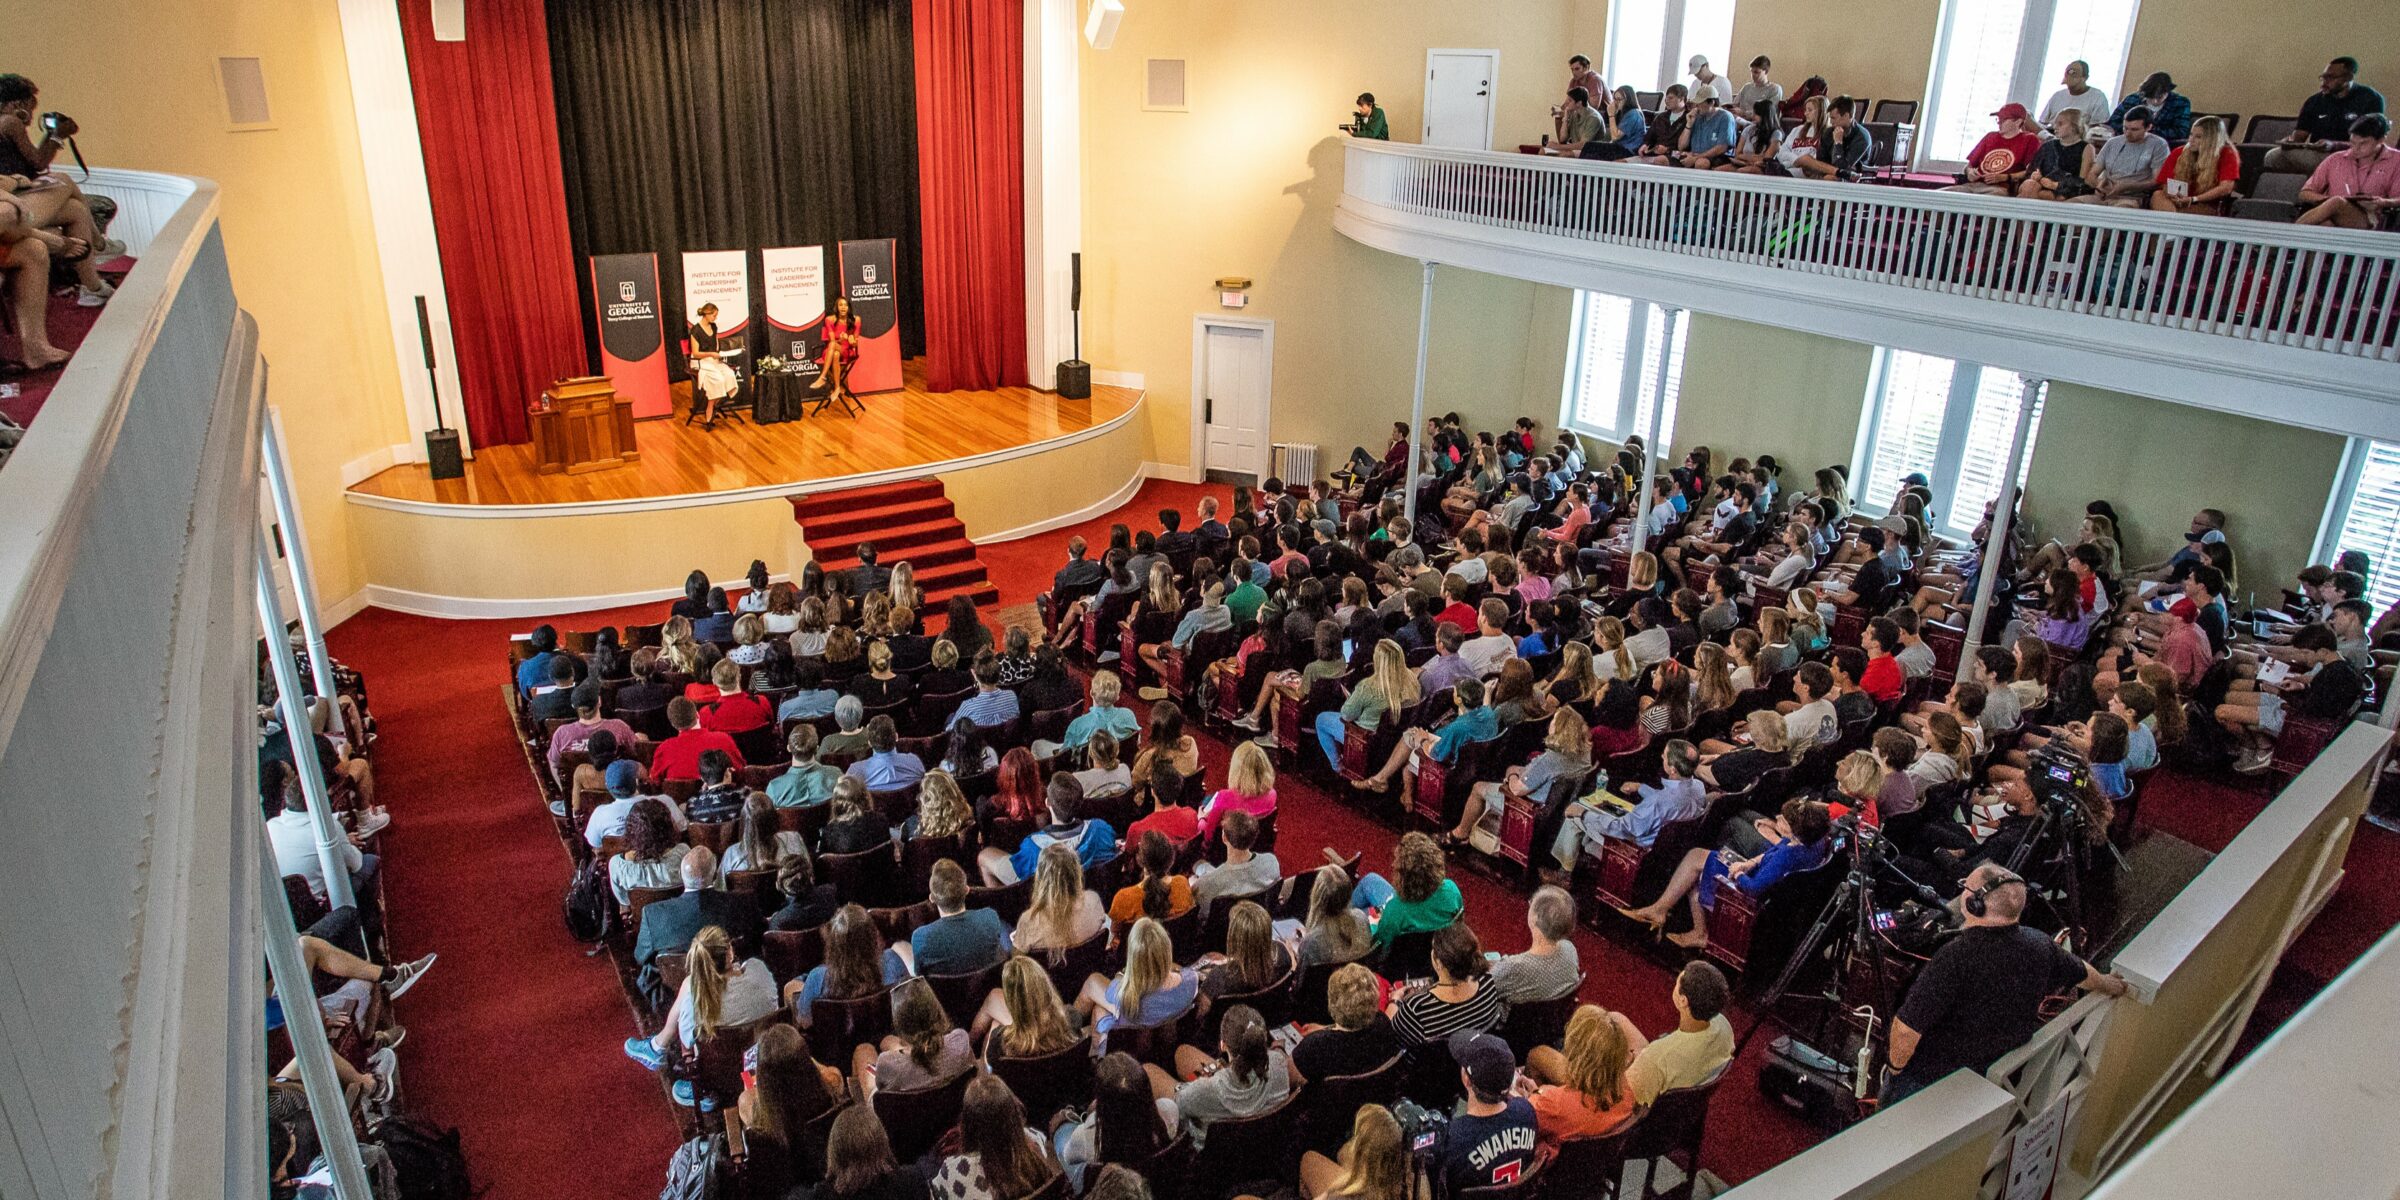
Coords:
pixel 130 985
pixel 2234 297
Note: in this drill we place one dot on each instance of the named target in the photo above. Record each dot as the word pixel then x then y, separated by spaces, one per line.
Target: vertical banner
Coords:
pixel 795 329
pixel 868 280
pixel 722 278
pixel 633 350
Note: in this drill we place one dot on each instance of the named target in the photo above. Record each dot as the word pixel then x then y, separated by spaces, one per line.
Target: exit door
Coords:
pixel 1460 87
pixel 1234 374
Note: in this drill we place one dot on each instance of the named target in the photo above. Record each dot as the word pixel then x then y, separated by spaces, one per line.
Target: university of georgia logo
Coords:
pixel 866 272
pixel 625 290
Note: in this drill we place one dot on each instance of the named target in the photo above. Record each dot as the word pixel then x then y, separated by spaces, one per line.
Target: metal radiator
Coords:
pixel 1295 463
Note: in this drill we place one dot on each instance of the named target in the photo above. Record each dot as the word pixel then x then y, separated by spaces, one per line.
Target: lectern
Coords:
pixel 583 425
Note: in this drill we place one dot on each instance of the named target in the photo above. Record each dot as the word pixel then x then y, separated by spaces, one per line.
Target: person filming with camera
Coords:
pixel 49 206
pixel 1981 995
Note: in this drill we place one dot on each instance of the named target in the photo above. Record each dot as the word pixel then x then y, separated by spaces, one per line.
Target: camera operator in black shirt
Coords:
pixel 1981 996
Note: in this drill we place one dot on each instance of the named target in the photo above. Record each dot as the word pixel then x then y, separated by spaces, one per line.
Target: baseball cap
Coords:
pixel 1698 61
pixel 2012 109
pixel 624 778
pixel 1326 526
pixel 1490 1065
pixel 1702 93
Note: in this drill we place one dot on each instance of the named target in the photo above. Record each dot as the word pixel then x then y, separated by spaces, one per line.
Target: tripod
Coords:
pixel 2065 820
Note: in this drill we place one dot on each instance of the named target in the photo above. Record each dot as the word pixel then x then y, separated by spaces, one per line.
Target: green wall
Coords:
pixel 2158 462
pixel 1758 389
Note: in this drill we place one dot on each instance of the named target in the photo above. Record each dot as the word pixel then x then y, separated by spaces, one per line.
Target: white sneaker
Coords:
pixel 370 822
pixel 406 975
pixel 93 297
pixel 108 248
pixel 1245 721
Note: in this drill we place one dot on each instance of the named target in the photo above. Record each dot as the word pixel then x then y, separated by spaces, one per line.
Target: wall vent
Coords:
pixel 245 83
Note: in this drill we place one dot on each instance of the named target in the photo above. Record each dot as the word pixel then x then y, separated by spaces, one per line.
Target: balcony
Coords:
pixel 2290 324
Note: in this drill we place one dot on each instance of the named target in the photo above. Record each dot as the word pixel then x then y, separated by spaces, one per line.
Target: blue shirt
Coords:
pixel 803 705
pixel 535 671
pixel 1711 131
pixel 1661 805
pixel 1157 1008
pixel 2110 779
pixel 2141 747
pixel 1474 725
pixel 1118 723
pixel 1632 127
pixel 812 988
pixel 888 771
pixel 802 786
pixel 961 944
pixel 986 709
pixel 1094 841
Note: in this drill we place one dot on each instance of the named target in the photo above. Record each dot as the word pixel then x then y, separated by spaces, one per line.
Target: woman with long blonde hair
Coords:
pixel 1808 621
pixel 1253 958
pixel 1614 661
pixel 1159 594
pixel 1712 678
pixel 1023 1017
pixel 1061 911
pixel 1150 991
pixel 942 808
pixel 1585 1091
pixel 718 991
pixel 1249 787
pixel 1641 573
pixel 1373 1164
pixel 1385 694
pixel 2207 168
pixel 1576 679
pixel 903 590
pixel 1566 754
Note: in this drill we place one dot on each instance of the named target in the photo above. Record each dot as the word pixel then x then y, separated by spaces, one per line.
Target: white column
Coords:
pixel 1053 182
pixel 302 735
pixel 295 549
pixel 400 208
pixel 2003 515
pixel 1651 450
pixel 326 1104
pixel 1418 444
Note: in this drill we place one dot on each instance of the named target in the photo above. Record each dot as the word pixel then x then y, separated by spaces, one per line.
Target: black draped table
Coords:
pixel 780 397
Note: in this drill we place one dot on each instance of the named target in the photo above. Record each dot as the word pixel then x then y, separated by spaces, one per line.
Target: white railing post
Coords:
pixel 1420 445
pixel 301 733
pixel 304 1022
pixel 1987 574
pixel 295 550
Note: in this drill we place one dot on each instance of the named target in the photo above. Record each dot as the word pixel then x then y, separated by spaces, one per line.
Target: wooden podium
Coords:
pixel 583 425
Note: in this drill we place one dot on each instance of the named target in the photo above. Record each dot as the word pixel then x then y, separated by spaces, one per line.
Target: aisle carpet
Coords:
pixel 515 1036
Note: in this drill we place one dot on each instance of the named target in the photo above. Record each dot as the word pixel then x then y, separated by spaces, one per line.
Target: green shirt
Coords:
pixel 1372 126
pixel 803 786
pixel 1244 602
pixel 1437 911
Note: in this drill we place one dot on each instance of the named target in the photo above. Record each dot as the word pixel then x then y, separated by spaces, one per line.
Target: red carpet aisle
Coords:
pixel 515 1037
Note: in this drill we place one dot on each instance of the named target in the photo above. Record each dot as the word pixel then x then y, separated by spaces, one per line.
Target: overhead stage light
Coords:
pixel 1100 28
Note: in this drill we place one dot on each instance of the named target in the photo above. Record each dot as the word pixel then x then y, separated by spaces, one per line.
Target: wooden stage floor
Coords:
pixel 899 430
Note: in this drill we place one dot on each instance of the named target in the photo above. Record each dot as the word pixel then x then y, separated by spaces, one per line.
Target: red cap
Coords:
pixel 2012 110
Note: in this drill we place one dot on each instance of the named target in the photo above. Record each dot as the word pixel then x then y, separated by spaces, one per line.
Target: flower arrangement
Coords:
pixel 770 363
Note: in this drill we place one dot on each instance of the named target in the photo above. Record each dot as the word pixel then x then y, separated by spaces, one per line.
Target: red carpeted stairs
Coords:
pixel 909 522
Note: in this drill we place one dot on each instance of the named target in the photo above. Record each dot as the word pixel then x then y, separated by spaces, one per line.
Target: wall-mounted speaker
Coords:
pixel 1100 27
pixel 449 20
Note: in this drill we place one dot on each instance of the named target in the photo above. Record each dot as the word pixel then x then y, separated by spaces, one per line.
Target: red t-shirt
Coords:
pixel 1882 679
pixel 678 757
pixel 1459 614
pixel 2229 166
pixel 1177 825
pixel 2003 154
pixel 737 713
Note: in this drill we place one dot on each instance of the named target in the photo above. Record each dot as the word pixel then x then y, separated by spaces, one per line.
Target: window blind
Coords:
pixel 2371 521
pixel 1908 423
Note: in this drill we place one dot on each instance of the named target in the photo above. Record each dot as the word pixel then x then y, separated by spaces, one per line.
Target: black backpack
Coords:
pixel 426 1158
pixel 700 1170
pixel 591 905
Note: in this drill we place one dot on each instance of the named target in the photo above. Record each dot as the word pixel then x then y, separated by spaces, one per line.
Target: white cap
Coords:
pixel 1698 61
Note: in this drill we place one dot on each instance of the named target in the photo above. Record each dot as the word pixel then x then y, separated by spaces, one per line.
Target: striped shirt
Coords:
pixel 1425 1017
pixel 986 709
pixel 1521 977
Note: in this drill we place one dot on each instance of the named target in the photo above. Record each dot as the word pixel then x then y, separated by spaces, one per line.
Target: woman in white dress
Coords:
pixel 716 380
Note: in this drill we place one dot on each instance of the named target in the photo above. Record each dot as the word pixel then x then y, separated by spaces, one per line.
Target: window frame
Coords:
pixel 2357 453
pixel 1675 17
pixel 1636 375
pixel 1950 452
pixel 2026 79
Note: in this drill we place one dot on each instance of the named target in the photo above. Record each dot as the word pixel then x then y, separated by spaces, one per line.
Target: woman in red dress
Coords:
pixel 841 349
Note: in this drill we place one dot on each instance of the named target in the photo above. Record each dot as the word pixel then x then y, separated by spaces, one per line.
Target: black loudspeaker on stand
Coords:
pixel 1075 375
pixel 441 442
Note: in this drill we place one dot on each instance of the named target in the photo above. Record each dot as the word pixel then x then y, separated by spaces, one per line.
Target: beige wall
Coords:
pixel 293 209
pixel 575 563
pixel 1245 184
pixel 2141 454
pixel 1752 389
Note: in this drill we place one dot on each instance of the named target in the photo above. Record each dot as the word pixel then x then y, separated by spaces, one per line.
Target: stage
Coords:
pixel 506 541
pixel 901 435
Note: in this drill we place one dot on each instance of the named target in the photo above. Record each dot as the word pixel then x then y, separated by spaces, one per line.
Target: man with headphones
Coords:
pixel 1981 996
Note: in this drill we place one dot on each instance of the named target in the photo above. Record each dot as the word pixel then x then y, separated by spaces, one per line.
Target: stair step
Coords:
pixel 823 504
pixel 921 558
pixel 868 521
pixel 984 592
pixel 890 541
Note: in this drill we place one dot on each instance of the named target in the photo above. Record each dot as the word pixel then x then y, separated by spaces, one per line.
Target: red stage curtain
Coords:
pixel 970 58
pixel 485 115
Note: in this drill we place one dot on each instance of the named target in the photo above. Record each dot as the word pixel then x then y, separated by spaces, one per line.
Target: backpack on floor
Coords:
pixel 591 905
pixel 700 1170
pixel 426 1158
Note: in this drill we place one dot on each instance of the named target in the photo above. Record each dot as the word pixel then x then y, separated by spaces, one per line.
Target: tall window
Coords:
pixel 1949 421
pixel 1649 43
pixel 1613 371
pixel 1990 52
pixel 2368 517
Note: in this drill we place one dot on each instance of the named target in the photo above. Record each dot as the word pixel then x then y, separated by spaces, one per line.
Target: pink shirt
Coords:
pixel 1228 800
pixel 2344 175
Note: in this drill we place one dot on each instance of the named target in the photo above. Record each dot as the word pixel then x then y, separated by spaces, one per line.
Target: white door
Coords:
pixel 1233 399
pixel 1459 87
